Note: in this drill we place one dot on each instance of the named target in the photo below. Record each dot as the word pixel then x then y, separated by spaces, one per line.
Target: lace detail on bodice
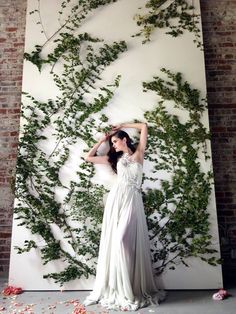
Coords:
pixel 129 172
pixel 126 159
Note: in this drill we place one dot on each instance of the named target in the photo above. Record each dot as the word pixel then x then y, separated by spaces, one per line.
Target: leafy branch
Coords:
pixel 177 16
pixel 178 217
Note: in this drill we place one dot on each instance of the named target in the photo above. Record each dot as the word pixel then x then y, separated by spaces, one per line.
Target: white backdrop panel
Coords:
pixel 140 63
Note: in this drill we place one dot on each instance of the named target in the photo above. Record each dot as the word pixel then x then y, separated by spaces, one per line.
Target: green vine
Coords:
pixel 69 117
pixel 178 218
pixel 63 36
pixel 177 16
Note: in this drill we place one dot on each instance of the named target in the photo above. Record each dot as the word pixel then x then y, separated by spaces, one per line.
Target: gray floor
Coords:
pixel 177 302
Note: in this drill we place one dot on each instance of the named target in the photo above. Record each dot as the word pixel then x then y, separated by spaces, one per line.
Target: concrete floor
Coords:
pixel 54 302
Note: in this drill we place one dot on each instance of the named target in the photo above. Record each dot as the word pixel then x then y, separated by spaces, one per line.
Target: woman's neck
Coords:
pixel 128 151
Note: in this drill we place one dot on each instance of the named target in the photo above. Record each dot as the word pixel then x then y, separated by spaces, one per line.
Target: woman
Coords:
pixel 124 278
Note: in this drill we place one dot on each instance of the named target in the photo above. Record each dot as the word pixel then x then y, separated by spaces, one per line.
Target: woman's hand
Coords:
pixel 91 156
pixel 116 127
pixel 104 138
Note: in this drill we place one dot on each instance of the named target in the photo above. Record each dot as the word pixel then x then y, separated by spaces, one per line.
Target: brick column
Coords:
pixel 12 30
pixel 219 34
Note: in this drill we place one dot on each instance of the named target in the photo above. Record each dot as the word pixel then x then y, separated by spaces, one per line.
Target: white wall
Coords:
pixel 140 63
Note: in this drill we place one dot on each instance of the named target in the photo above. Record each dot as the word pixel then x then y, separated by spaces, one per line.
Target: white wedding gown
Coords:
pixel 124 279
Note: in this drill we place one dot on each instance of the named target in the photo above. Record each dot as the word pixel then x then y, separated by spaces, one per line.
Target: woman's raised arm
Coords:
pixel 139 153
pixel 97 159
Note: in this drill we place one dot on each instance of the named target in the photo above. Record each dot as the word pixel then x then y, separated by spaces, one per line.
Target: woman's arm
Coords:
pixel 143 135
pixel 139 153
pixel 97 159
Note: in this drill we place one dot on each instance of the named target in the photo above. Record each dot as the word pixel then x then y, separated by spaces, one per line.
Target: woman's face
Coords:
pixel 118 143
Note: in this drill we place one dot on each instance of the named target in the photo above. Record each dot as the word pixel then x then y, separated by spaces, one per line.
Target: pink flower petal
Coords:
pixel 217 297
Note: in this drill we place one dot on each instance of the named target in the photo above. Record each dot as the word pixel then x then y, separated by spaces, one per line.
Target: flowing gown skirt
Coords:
pixel 124 278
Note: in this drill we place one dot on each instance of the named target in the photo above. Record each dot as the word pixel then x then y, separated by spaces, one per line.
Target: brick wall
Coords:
pixel 12 23
pixel 219 30
pixel 219 33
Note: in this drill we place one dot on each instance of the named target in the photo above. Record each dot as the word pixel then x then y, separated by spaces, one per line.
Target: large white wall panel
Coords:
pixel 139 63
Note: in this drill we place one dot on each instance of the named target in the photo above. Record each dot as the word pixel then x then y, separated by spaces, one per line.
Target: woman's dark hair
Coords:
pixel 113 156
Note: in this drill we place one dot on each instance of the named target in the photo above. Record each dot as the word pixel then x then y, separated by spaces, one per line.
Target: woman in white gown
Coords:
pixel 124 278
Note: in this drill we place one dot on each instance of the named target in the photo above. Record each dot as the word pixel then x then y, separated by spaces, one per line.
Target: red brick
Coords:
pixel 224 200
pixel 4 248
pixel 218 129
pixel 9 50
pixel 19 45
pixel 15 133
pixel 224 67
pixel 226 44
pixel 11 29
pixel 225 212
pixel 5 262
pixel 4 255
pixel 5 235
pixel 229 56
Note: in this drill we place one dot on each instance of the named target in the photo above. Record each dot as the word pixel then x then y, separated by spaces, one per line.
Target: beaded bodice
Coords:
pixel 129 171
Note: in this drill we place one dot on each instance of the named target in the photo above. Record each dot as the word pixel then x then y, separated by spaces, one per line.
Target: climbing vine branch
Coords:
pixel 175 16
